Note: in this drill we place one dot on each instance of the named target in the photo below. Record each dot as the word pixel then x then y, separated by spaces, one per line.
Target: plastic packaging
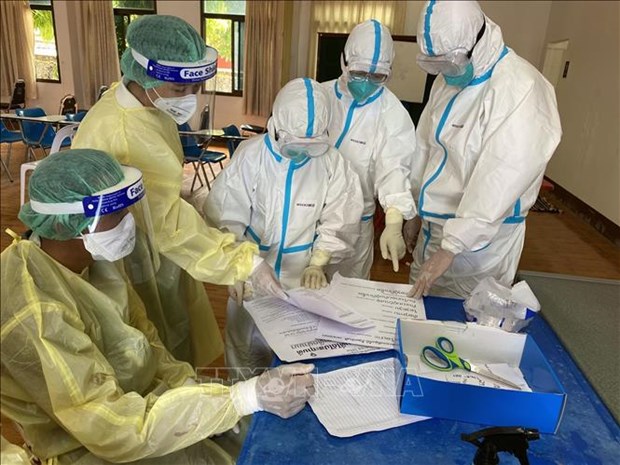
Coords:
pixel 492 304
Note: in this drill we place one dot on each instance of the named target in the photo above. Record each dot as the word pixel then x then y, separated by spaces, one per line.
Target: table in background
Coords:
pixel 588 434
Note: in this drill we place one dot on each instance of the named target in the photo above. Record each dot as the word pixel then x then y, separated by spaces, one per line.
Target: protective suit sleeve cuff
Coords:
pixel 455 247
pixel 244 397
pixel 393 216
pixel 320 258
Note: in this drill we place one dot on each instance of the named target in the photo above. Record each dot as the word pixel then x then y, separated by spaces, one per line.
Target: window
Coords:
pixel 45 49
pixel 223 28
pixel 126 11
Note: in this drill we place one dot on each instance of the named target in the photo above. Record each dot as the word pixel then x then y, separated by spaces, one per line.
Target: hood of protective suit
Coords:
pixel 444 26
pixel 370 43
pixel 301 109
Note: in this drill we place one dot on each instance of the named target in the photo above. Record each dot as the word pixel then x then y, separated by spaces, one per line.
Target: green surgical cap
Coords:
pixel 68 176
pixel 160 37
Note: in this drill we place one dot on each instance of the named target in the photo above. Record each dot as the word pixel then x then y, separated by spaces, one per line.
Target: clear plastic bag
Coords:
pixel 492 304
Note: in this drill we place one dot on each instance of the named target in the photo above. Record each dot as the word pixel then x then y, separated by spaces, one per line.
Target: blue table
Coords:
pixel 588 433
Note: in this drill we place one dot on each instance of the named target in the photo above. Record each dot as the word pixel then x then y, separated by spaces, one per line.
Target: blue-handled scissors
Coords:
pixel 443 357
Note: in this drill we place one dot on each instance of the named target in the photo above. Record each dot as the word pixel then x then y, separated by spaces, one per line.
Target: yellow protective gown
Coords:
pixel 190 251
pixel 86 376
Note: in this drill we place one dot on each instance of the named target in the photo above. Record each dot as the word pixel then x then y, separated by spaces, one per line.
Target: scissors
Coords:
pixel 443 357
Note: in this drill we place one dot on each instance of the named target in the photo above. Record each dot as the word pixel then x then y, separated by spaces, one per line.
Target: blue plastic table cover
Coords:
pixel 588 434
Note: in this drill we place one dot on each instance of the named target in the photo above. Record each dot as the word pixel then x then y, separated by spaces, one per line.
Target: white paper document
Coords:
pixel 382 303
pixel 361 398
pixel 291 332
pixel 320 303
pixel 503 370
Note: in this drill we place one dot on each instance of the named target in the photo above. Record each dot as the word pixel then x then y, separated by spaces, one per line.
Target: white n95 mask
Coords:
pixel 180 109
pixel 113 244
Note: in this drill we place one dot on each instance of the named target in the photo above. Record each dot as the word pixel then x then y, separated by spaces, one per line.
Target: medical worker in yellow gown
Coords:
pixel 84 373
pixel 165 64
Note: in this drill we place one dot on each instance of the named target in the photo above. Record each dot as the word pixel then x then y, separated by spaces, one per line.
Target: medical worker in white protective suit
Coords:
pixel 165 64
pixel 295 196
pixel 375 134
pixel 84 372
pixel 484 140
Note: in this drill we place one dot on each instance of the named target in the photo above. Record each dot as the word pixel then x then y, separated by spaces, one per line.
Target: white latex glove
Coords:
pixel 411 231
pixel 392 243
pixel 284 390
pixel 264 282
pixel 240 291
pixel 431 269
pixel 313 276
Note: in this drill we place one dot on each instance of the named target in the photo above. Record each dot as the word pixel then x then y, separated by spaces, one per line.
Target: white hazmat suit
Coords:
pixel 376 136
pixel 300 212
pixel 482 151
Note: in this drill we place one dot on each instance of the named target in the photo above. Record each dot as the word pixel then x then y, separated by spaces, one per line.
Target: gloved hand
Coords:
pixel 431 269
pixel 263 281
pixel 240 291
pixel 314 276
pixel 411 231
pixel 391 242
pixel 284 390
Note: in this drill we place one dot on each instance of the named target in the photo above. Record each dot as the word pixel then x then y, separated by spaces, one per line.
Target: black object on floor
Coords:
pixel 542 205
pixel 490 441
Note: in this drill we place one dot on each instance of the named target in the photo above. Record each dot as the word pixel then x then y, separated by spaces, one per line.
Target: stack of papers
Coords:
pixel 359 399
pixel 351 316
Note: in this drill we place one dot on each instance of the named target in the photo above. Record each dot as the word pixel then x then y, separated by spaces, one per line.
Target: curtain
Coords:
pixel 98 60
pixel 264 37
pixel 17 47
pixel 342 16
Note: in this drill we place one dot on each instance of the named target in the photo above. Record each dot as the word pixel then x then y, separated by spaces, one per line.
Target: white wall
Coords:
pixel 587 162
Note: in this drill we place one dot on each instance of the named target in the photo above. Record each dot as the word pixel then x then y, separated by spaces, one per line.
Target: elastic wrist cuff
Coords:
pixel 450 246
pixel 244 397
pixel 320 258
pixel 393 216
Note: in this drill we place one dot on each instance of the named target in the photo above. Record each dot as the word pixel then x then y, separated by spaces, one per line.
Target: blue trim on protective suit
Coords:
pixel 354 105
pixel 310 97
pixel 377 52
pixel 427 29
pixel 367 217
pixel 257 239
pixel 285 217
pixel 427 238
pixel 270 148
pixel 440 127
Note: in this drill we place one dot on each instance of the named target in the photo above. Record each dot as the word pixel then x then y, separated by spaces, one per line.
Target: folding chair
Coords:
pixel 232 144
pixel 199 156
pixel 36 134
pixel 8 137
pixel 18 98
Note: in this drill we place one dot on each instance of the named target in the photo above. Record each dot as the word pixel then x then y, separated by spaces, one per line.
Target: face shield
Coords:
pixel 298 148
pixel 125 208
pixel 181 109
pixel 453 63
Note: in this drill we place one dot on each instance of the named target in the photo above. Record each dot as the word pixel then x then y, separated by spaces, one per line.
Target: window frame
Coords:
pixel 49 7
pixel 131 11
pixel 233 18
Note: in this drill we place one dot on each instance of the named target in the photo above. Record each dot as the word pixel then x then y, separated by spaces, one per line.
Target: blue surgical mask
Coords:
pixel 361 90
pixel 461 80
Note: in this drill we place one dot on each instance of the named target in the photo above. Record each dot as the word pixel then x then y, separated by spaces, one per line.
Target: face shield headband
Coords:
pixel 118 197
pixel 180 73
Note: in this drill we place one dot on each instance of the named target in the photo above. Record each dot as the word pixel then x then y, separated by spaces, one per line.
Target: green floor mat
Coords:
pixel 585 314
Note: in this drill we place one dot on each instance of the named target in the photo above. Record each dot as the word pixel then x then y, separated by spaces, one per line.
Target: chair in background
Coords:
pixel 18 98
pixel 253 129
pixel 63 138
pixel 232 144
pixel 198 156
pixel 76 117
pixel 68 104
pixel 8 137
pixel 36 135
